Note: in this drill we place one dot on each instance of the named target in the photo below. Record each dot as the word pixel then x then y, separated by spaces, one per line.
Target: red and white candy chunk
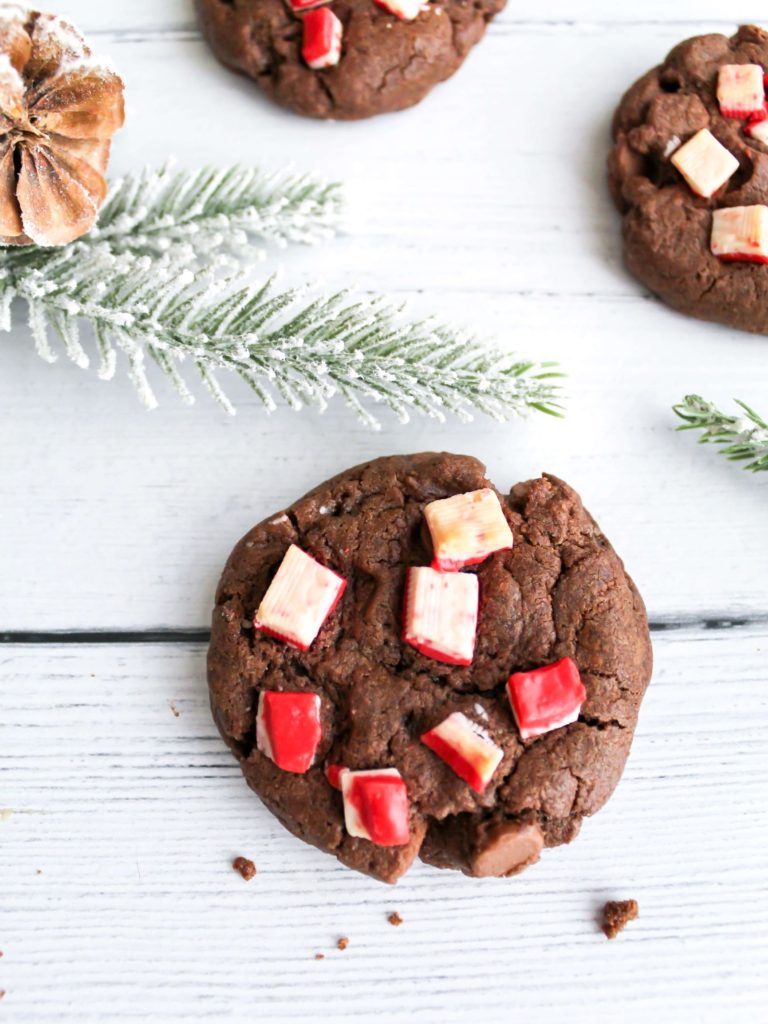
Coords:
pixel 321 43
pixel 466 748
pixel 705 163
pixel 288 728
pixel 405 10
pixel 376 806
pixel 546 698
pixel 467 528
pixel 300 6
pixel 440 615
pixel 740 90
pixel 757 126
pixel 740 233
pixel 299 599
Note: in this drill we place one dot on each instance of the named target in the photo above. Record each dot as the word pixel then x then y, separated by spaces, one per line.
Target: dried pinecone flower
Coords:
pixel 59 108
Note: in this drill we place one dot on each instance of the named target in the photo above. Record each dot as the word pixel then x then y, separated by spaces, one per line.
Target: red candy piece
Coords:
pixel 299 6
pixel 440 615
pixel 376 806
pixel 465 748
pixel 406 10
pixel 753 119
pixel 321 46
pixel 333 773
pixel 288 729
pixel 299 599
pixel 546 698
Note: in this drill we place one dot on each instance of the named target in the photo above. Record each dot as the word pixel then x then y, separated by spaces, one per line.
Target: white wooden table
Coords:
pixel 485 204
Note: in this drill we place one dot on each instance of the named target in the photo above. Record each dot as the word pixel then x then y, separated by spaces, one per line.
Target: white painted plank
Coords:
pixel 133 816
pixel 112 517
pixel 690 15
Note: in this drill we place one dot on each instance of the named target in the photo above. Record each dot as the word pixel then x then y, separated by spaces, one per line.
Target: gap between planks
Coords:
pixel 169 635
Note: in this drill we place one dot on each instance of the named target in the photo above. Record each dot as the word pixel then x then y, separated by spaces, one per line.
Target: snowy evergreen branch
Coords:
pixel 743 436
pixel 153 288
pixel 215 208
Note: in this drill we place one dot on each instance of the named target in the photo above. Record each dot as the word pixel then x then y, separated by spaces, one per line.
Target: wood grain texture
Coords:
pixel 487 205
pixel 133 816
pixel 119 518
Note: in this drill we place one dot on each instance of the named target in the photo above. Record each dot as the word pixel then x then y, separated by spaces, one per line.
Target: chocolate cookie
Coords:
pixel 689 172
pixel 382 712
pixel 364 59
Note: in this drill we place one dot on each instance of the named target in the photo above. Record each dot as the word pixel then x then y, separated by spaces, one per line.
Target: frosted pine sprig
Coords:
pixel 743 437
pixel 162 295
pixel 215 208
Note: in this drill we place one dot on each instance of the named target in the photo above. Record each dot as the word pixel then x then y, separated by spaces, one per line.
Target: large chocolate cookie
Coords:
pixel 561 592
pixel 669 237
pixel 386 64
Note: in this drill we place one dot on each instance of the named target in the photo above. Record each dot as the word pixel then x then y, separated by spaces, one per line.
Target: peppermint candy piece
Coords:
pixel 740 90
pixel 300 6
pixel 321 44
pixel 405 10
pixel 467 528
pixel 740 233
pixel 376 806
pixel 440 617
pixel 546 698
pixel 288 728
pixel 466 748
pixel 299 599
pixel 705 163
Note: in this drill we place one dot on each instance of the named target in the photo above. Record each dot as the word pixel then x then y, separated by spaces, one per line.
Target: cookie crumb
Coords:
pixel 319 956
pixel 616 915
pixel 2 993
pixel 39 871
pixel 175 710
pixel 5 813
pixel 343 942
pixel 395 919
pixel 246 867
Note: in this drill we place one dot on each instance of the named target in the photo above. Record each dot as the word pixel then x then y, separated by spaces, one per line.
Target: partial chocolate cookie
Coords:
pixel 365 59
pixel 419 720
pixel 689 172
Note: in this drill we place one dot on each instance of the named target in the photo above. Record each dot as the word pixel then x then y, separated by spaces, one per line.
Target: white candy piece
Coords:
pixel 406 10
pixel 441 614
pixel 705 163
pixel 467 528
pixel 741 233
pixel 740 89
pixel 299 599
pixel 758 130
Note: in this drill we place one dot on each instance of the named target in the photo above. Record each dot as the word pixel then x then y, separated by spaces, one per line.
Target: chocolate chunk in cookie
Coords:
pixel 689 173
pixel 350 59
pixel 354 719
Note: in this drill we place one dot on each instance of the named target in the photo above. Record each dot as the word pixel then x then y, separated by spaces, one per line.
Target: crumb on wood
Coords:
pixel 246 867
pixel 395 919
pixel 343 942
pixel 175 710
pixel 616 915
pixel 319 956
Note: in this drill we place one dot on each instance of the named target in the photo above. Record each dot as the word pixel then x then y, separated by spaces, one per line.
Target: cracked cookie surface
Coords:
pixel 386 64
pixel 667 227
pixel 561 591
